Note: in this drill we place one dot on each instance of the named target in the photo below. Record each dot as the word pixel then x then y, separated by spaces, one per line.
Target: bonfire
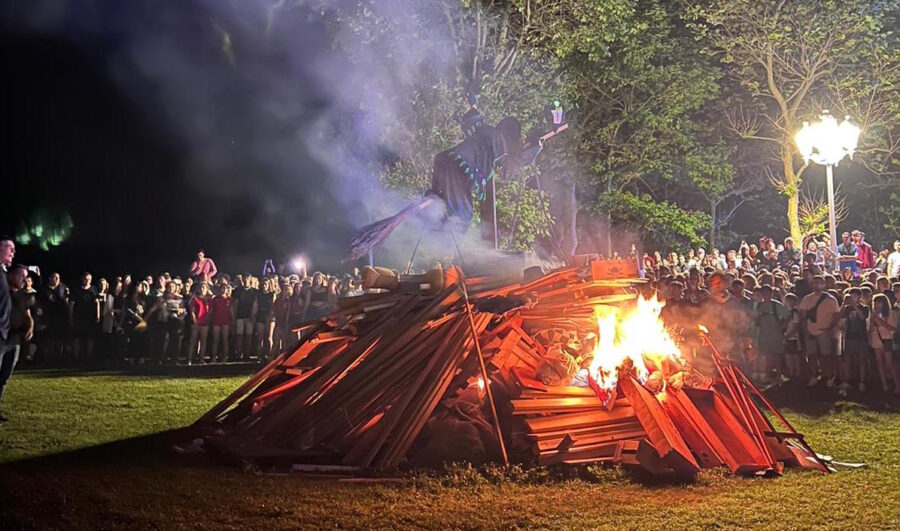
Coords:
pixel 572 368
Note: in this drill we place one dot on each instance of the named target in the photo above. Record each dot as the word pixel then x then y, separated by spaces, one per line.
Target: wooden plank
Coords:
pixel 607 433
pixel 423 409
pixel 393 415
pixel 553 423
pixel 686 423
pixel 587 454
pixel 661 432
pixel 272 424
pixel 558 391
pixel 549 405
pixel 241 391
pixel 722 430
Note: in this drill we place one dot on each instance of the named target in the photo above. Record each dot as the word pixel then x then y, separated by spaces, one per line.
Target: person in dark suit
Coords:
pixel 9 352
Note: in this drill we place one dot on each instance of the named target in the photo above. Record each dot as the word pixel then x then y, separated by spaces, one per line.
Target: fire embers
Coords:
pixel 655 383
pixel 566 354
pixel 634 342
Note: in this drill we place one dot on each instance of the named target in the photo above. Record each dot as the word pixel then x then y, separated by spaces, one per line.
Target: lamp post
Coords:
pixel 826 142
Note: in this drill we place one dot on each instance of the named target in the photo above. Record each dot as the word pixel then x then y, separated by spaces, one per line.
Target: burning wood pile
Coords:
pixel 569 368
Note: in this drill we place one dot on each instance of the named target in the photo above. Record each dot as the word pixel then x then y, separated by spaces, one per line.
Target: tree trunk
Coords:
pixel 712 225
pixel 791 190
pixel 570 241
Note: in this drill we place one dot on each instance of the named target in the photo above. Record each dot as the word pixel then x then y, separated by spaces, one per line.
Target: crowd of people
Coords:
pixel 817 315
pixel 206 316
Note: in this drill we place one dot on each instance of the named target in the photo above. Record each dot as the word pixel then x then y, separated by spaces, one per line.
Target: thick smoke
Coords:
pixel 279 107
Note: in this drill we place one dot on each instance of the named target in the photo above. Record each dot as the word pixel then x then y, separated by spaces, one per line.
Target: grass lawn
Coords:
pixel 140 483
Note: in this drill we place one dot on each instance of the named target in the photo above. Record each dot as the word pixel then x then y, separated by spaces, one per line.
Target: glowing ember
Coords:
pixel 638 339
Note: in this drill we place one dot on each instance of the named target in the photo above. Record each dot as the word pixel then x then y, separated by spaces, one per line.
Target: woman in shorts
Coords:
pixel 881 337
pixel 222 316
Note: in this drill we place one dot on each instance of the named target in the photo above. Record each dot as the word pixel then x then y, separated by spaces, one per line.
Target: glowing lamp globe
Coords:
pixel 826 142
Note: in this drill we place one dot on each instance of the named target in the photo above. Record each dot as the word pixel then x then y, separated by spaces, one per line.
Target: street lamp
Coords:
pixel 827 142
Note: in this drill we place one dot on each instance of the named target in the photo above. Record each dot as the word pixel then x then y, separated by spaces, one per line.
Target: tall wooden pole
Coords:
pixel 494 215
pixel 484 373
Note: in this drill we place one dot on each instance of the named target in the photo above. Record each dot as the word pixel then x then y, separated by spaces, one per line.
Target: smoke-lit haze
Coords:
pixel 275 109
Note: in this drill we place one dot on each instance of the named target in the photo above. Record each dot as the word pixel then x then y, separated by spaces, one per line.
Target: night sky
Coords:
pixel 157 139
pixel 72 143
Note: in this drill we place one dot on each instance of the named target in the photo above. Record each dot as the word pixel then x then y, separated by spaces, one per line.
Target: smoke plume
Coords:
pixel 278 107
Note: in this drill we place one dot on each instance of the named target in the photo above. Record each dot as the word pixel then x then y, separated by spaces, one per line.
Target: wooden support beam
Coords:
pixel 661 432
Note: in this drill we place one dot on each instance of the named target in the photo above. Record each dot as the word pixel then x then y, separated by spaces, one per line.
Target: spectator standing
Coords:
pixel 691 260
pixel 769 259
pixel 264 324
pixel 222 311
pixel 317 300
pixel 167 315
pixel 883 285
pixel 120 302
pixel 281 317
pixel 54 301
pixel 107 303
pixel 820 316
pixel 771 318
pixel 881 337
pixel 793 345
pixel 175 313
pixel 790 256
pixel 848 255
pixel 203 267
pixel 245 316
pixel 9 352
pixel 30 301
pixel 156 318
pixel 134 324
pixel 718 261
pixel 855 325
pixel 299 302
pixel 21 325
pixel 893 262
pixel 752 257
pixel 881 260
pixel 200 320
pixel 84 319
pixel 726 315
pixel 866 254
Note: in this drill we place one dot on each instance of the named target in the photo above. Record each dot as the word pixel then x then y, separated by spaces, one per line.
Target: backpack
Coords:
pixel 811 315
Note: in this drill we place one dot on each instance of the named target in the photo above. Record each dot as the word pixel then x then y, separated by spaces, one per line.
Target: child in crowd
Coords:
pixel 200 320
pixel 222 317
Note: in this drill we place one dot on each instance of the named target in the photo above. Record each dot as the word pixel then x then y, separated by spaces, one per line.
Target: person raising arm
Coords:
pixel 203 268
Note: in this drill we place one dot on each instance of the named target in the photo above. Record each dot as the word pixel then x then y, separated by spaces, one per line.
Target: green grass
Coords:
pixel 64 412
pixel 58 411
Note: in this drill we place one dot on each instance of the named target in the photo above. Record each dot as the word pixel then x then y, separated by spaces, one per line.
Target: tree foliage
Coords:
pixel 675 107
pixel 661 224
pixel 795 58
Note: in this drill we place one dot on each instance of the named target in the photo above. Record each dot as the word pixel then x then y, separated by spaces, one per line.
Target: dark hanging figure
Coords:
pixel 461 176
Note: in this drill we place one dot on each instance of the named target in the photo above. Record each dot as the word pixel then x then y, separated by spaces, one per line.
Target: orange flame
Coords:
pixel 639 336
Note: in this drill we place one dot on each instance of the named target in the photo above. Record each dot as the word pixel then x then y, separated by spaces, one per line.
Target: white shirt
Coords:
pixel 893 264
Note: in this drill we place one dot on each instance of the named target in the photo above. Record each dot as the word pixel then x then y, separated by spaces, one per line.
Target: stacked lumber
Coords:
pixel 359 388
